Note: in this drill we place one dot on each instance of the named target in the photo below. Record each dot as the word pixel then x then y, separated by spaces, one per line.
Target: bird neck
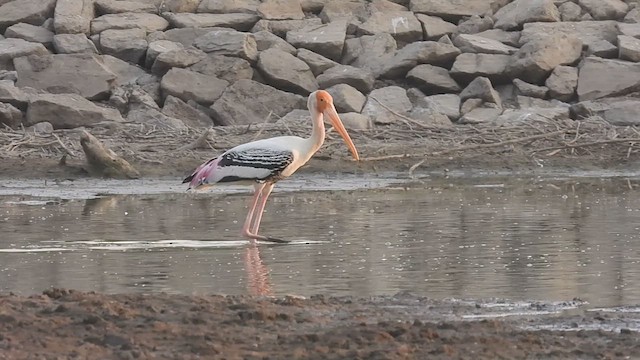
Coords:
pixel 317 132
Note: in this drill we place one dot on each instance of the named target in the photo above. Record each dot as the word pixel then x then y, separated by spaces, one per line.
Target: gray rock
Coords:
pixel 479 44
pixel 434 27
pixel 73 44
pixel 629 48
pixel 44 127
pixel 10 116
pixel 344 74
pixel 240 22
pixel 129 45
pixel 605 9
pixel 148 22
pixel 312 6
pixel 189 85
pixel 570 11
pixel 469 66
pixel 475 24
pixel 286 72
pixel 282 27
pixel 480 115
pixel 515 14
pixel 281 10
pixel 176 108
pixel 351 10
pixel 184 36
pixel 449 9
pixel 228 42
pixel 536 59
pixel 14 48
pixel 158 47
pixel 526 89
pixel 180 58
pixel 446 104
pixel 326 40
pixel 266 40
pixel 181 6
pixel 381 101
pixel 153 117
pixel 316 62
pixel 402 25
pixel 432 79
pixel 562 83
pixel 123 6
pixel 10 75
pixel 603 49
pixel 420 52
pixel 589 32
pixel 632 30
pixel 367 51
pixel 468 105
pixel 227 68
pixel 73 16
pixel 598 78
pixel 513 117
pixel 229 6
pixel 356 121
pixel 510 38
pixel 30 33
pixel 13 95
pixel 619 111
pixel 481 88
pixel 249 102
pixel 633 16
pixel 126 73
pixel 68 111
pixel 83 74
pixel 346 98
pixel 33 12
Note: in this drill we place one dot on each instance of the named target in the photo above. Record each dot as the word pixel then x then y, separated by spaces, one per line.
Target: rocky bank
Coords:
pixel 184 64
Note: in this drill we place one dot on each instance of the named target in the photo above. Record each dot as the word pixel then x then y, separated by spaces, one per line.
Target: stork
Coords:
pixel 265 162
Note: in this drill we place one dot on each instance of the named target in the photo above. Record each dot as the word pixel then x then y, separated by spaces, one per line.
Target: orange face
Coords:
pixel 324 105
pixel 323 100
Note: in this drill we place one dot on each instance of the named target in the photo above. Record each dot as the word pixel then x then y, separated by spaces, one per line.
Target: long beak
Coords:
pixel 332 114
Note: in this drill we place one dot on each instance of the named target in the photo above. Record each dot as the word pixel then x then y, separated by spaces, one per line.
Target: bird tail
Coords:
pixel 201 175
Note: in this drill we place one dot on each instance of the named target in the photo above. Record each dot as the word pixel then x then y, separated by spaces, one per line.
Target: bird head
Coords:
pixel 322 102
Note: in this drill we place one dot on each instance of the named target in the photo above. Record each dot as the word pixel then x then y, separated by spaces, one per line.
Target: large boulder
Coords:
pixel 30 33
pixel 10 116
pixel 190 115
pixel 593 34
pixel 360 79
pixel 281 10
pixel 9 93
pixel 249 102
pixel 83 74
pixel 451 9
pixel 599 78
pixel 228 42
pixel 282 27
pixel 266 40
pixel 129 45
pixel 387 105
pixel 468 66
pixel 228 6
pixel 480 44
pixel 316 62
pixel 223 67
pixel 620 111
pixel 562 83
pixel 368 50
pixel 286 72
pixel 605 9
pixel 515 14
pixel 402 25
pixel 189 85
pixel 435 27
pixel 432 79
pixel 118 6
pixel 158 47
pixel 73 16
pixel 14 48
pixel 73 44
pixel 420 52
pixel 346 98
pixel 148 22
pixel 179 58
pixel 326 40
pixel 68 111
pixel 240 22
pixel 33 12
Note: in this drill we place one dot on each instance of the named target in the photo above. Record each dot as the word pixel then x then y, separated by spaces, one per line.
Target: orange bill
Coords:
pixel 332 114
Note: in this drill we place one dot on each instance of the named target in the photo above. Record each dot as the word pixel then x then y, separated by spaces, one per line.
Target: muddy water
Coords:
pixel 552 238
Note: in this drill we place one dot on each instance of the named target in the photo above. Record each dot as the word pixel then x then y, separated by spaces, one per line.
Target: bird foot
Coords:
pixel 255 237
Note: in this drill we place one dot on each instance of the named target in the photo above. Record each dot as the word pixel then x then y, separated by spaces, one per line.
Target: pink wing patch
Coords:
pixel 202 174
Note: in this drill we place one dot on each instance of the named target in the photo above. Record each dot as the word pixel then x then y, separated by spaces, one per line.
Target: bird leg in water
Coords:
pixel 252 223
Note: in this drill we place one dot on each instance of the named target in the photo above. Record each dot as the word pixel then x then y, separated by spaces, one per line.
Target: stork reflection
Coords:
pixel 258 281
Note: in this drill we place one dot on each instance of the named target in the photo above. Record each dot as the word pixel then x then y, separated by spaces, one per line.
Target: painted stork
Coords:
pixel 264 162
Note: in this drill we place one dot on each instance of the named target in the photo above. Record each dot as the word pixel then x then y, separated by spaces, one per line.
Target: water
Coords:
pixel 553 238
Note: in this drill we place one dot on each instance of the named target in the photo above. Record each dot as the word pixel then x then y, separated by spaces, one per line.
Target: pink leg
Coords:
pixel 266 191
pixel 251 225
pixel 254 202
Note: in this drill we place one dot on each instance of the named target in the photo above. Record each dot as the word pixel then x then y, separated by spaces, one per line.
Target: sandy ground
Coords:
pixel 61 324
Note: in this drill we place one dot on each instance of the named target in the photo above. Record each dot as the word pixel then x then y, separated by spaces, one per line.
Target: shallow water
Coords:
pixel 551 238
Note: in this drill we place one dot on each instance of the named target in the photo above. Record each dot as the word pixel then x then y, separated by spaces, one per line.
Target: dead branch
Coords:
pixel 200 143
pixel 103 161
pixel 588 144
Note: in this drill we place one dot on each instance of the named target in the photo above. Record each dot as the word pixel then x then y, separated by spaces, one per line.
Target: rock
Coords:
pixel 368 50
pixel 180 58
pixel 351 10
pixel 126 73
pixel 589 32
pixel 228 42
pixel 420 52
pixel 513 117
pixel 633 16
pixel 481 88
pixel 68 111
pixel 240 22
pixel 14 48
pixel 281 10
pixel 286 72
pixel 13 95
pixel 602 48
pixel 73 16
pixel 282 27
pixel 148 22
pixel 176 108
pixel 432 79
pixel 73 44
pixel 158 47
pixel 181 6
pixel 43 127
pixel 346 98
pixel 469 66
pixel 355 121
pixel 383 105
pixel 229 6
pixel 153 117
pixel 632 30
pixel 446 104
pixel 312 6
pixel 515 14
pixel 10 75
pixel 475 24
pixel 598 78
pixel 326 40
pixel 33 12
pixel 227 68
pixel 526 89
pixel 479 44
pixel 451 9
pixel 434 27
pixel 570 11
pixel 317 63
pixel 536 59
pixel 249 102
pixel 402 25
pixel 83 74
pixel 605 9
pixel 266 40
pixel 10 116
pixel 129 45
pixel 430 117
pixel 345 74
pixel 616 111
pixel 511 38
pixel 480 115
pixel 629 48
pixel 30 33
pixel 189 85
pixel 562 83
pixel 122 6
